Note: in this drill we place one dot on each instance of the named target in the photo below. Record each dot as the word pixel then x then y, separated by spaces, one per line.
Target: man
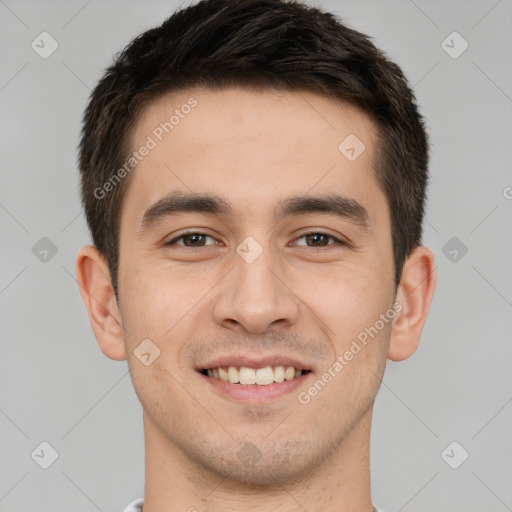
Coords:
pixel 254 176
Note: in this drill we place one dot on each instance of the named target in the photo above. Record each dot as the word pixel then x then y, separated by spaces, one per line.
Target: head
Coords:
pixel 265 122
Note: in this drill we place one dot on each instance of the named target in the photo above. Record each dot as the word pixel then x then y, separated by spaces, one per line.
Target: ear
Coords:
pixel 95 286
pixel 414 294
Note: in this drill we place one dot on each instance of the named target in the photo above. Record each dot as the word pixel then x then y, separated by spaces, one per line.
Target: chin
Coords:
pixel 275 465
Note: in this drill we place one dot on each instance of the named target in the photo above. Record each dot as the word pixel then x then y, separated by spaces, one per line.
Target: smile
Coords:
pixel 254 376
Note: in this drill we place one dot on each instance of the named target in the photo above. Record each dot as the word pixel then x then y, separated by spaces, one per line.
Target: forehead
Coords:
pixel 254 147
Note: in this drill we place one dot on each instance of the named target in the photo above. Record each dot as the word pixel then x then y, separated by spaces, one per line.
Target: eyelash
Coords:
pixel 337 240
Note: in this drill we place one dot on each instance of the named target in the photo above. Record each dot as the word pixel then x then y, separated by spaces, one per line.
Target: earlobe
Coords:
pixel 95 287
pixel 414 295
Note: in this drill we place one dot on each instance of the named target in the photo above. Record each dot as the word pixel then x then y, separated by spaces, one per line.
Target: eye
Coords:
pixel 197 239
pixel 193 239
pixel 319 239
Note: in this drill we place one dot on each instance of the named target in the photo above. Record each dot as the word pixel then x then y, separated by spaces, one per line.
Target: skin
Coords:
pixel 255 148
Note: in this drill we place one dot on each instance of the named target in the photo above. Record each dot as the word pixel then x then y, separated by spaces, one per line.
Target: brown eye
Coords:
pixel 190 240
pixel 318 239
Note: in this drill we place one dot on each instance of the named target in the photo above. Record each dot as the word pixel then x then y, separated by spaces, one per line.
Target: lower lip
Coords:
pixel 254 394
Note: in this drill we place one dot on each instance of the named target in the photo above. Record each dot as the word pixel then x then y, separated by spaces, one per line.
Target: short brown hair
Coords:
pixel 255 44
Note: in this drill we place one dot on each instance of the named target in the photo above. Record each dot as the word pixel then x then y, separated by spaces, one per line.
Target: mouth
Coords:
pixel 246 376
pixel 254 380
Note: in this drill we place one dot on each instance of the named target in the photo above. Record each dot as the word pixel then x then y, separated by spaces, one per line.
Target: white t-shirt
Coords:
pixel 136 506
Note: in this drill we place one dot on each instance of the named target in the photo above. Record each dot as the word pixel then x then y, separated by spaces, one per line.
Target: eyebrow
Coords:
pixel 177 202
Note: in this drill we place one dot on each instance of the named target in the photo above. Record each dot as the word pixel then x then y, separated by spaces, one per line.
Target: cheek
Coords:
pixel 156 298
pixel 347 299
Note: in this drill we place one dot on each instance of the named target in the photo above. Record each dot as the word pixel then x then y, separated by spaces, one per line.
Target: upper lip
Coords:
pixel 255 361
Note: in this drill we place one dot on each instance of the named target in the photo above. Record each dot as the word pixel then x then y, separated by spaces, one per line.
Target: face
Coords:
pixel 285 262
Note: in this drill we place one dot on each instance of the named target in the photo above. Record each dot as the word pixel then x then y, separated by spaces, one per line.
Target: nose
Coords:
pixel 255 297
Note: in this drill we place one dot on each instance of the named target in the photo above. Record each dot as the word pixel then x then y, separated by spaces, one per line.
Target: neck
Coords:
pixel 340 483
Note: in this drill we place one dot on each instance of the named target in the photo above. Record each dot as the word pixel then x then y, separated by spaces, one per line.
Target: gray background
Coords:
pixel 57 386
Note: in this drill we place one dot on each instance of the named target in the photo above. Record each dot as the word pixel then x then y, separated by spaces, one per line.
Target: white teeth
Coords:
pixel 249 376
pixel 264 376
pixel 233 375
pixel 223 374
pixel 279 374
pixel 289 374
